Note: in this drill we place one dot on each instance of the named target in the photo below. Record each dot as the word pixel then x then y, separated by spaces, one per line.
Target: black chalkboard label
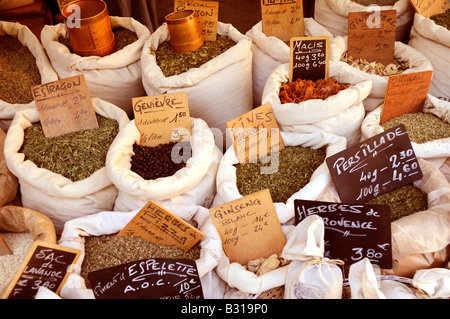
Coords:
pixel 352 231
pixel 309 58
pixel 375 166
pixel 156 278
pixel 46 265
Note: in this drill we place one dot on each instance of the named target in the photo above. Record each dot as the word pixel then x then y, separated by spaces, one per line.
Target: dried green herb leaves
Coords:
pixel 295 164
pixel 173 63
pixel 442 19
pixel 76 155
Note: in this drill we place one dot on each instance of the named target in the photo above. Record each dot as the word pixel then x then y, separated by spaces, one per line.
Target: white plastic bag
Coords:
pixel 53 194
pixel 340 114
pixel 333 15
pixel 111 222
pixel 115 78
pixel 218 91
pixel 227 190
pixel 191 185
pixel 48 74
pixel 270 52
pixel 402 52
pixel 310 275
pixel 433 41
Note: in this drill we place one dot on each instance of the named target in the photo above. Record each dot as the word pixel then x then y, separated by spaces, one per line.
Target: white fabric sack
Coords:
pixel 433 41
pixel 193 184
pixel 402 52
pixel 115 78
pixel 434 282
pixel 310 275
pixel 53 194
pixel 48 74
pixel 227 190
pixel 333 15
pixel 437 151
pixel 340 114
pixel 269 52
pixel 111 222
pixel 218 91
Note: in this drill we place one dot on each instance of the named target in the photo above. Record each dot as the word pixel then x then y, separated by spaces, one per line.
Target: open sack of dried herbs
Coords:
pixel 269 52
pixel 23 63
pixel 8 181
pixel 20 227
pixel 95 236
pixel 431 37
pixel 333 14
pixel 115 78
pixel 331 105
pixel 365 283
pixel 428 130
pixel 298 171
pixel 64 177
pixel 406 60
pixel 174 173
pixel 217 77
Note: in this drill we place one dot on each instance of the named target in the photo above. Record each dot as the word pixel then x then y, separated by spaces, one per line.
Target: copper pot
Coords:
pixel 185 31
pixel 89 28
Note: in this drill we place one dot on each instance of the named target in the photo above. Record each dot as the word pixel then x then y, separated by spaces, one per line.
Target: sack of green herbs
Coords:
pixel 270 52
pixel 429 130
pixel 340 114
pixel 95 236
pixel 8 181
pixel 65 176
pixel 115 78
pixel 172 173
pixel 298 171
pixel 217 77
pixel 406 60
pixel 431 37
pixel 24 63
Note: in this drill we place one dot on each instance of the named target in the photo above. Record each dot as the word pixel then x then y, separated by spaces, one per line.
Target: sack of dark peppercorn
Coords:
pixel 219 86
pixel 433 41
pixel 79 231
pixel 340 114
pixel 428 130
pixel 297 172
pixel 270 52
pixel 8 182
pixel 65 176
pixel 115 78
pixel 174 173
pixel 24 64
pixel 406 60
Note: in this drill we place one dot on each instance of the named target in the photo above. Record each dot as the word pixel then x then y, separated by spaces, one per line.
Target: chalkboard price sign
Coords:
pixel 352 231
pixel 375 166
pixel 309 58
pixel 46 265
pixel 156 278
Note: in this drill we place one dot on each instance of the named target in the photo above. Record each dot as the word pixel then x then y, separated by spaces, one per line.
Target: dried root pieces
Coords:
pixel 375 67
pixel 261 266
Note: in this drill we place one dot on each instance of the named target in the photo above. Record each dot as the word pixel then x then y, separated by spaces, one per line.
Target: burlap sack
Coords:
pixel 433 41
pixel 53 194
pixel 8 182
pixel 48 74
pixel 110 222
pixel 115 78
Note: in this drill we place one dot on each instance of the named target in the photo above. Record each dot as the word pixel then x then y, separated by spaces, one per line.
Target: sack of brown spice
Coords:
pixel 269 52
pixel 60 196
pixel 304 167
pixel 24 63
pixel 107 223
pixel 429 131
pixel 115 78
pixel 219 90
pixel 333 14
pixel 406 60
pixel 433 41
pixel 8 182
pixel 340 114
pixel 190 178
